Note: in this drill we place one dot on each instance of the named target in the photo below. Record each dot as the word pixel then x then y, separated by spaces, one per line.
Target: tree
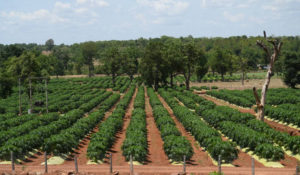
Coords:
pixel 63 56
pixel 49 44
pixel 241 64
pixel 201 66
pixel 190 57
pixel 152 67
pixel 6 84
pixel 220 62
pixel 272 56
pixel 89 51
pixel 112 62
pixel 172 54
pixel 130 61
pixel 291 69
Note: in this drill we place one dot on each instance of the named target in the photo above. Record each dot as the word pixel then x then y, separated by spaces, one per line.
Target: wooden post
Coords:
pixel 46 166
pixel 76 164
pixel 184 168
pixel 219 164
pixel 20 105
pixel 30 96
pixel 12 161
pixel 110 163
pixel 46 95
pixel 297 169
pixel 253 166
pixel 131 165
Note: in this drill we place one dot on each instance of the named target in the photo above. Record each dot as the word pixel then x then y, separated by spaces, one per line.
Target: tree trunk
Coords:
pixel 131 78
pixel 90 71
pixel 272 57
pixel 114 79
pixel 171 79
pixel 243 77
pixel 222 75
pixel 156 80
pixel 187 84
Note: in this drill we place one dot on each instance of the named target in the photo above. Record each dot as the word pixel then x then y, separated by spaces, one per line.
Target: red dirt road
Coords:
pixel 156 154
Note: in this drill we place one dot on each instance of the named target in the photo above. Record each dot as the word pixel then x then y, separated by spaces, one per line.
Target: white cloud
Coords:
pixel 80 10
pixel 233 18
pixel 37 15
pixel 170 7
pixel 61 5
pixel 100 3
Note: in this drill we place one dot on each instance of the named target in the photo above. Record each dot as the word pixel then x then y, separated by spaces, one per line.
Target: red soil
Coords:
pixel 200 157
pixel 143 170
pixel 156 154
pixel 116 151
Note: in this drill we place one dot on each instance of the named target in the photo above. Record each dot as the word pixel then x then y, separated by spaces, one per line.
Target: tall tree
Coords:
pixel 220 62
pixel 6 84
pixel 130 61
pixel 89 52
pixel 291 69
pixel 172 54
pixel 49 44
pixel 152 64
pixel 112 62
pixel 271 56
pixel 201 65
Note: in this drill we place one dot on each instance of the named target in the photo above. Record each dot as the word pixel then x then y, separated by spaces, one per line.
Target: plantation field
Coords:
pixel 90 120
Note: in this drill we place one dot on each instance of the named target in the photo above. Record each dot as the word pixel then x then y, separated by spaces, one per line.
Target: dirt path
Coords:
pixel 274 125
pixel 81 151
pixel 156 154
pixel 243 160
pixel 200 157
pixel 144 170
pixel 116 151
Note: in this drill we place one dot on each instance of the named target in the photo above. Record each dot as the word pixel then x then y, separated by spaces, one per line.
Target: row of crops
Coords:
pixel 282 104
pixel 63 94
pixel 60 131
pixel 242 128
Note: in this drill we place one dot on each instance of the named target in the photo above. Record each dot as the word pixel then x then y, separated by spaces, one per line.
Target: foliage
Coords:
pixel 291 69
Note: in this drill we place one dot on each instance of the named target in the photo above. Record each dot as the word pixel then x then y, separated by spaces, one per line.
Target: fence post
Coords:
pixel 253 169
pixel 20 105
pixel 76 164
pixel 46 166
pixel 110 163
pixel 131 165
pixel 184 168
pixel 297 168
pixel 12 161
pixel 219 164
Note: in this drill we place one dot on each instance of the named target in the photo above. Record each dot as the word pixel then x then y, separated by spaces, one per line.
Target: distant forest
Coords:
pixel 157 60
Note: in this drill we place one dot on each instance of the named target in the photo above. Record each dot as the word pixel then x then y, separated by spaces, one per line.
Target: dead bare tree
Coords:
pixel 272 55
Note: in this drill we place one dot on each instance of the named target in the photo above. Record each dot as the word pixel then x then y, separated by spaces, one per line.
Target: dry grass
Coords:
pixel 249 84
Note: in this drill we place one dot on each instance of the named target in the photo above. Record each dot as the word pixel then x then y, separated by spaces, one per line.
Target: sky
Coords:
pixel 75 21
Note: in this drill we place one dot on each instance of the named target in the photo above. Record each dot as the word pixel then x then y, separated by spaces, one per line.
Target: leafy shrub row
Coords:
pixel 104 138
pixel 175 145
pixel 136 143
pixel 68 139
pixel 208 137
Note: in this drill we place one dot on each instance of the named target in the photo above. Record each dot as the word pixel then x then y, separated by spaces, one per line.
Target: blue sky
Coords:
pixel 70 21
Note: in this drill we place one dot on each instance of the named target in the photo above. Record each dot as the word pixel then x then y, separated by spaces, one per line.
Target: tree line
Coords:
pixel 156 60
